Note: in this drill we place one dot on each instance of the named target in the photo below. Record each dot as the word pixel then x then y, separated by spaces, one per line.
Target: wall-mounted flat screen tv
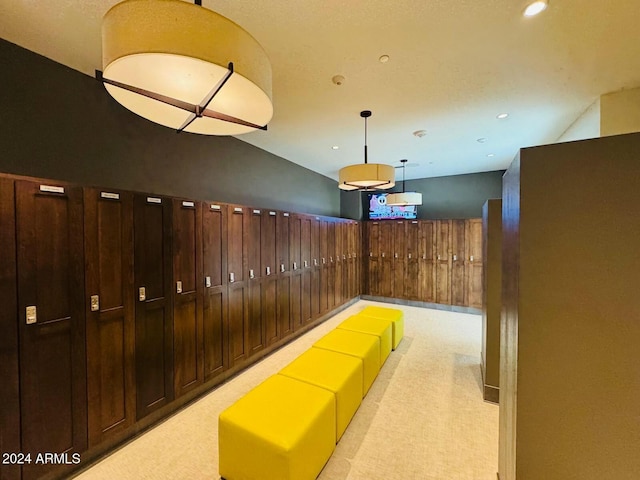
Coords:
pixel 379 210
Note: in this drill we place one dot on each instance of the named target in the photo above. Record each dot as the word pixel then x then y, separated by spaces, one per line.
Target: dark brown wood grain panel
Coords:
pixel 295 229
pixel 443 263
pixel 399 258
pixel 187 286
pixel 9 372
pixel 412 262
pixel 154 311
pixel 238 287
pixel 305 257
pixel 331 262
pixel 474 262
pixel 108 240
pixel 50 270
pixel 324 266
pixel 257 340
pixel 215 297
pixel 385 273
pixel 427 257
pixel 458 270
pixel 270 276
pixel 285 324
pixel 316 267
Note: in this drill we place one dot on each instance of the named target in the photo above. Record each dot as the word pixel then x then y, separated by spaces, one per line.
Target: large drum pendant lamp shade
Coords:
pixel 364 176
pixel 404 199
pixel 185 67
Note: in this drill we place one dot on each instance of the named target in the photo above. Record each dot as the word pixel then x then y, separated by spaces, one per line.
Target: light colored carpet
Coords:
pixel 424 417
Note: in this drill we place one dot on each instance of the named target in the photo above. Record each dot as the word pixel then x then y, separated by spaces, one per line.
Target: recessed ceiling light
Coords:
pixel 335 147
pixel 420 133
pixel 535 8
pixel 481 140
pixel 384 59
pixel 500 116
pixel 491 155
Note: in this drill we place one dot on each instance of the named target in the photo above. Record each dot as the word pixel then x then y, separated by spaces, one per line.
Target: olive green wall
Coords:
pixel 58 123
pixel 570 374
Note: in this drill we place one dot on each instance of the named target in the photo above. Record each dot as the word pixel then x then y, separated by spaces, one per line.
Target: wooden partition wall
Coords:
pixel 434 261
pixel 119 307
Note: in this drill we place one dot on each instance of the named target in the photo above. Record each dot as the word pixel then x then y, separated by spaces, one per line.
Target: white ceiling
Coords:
pixel 454 65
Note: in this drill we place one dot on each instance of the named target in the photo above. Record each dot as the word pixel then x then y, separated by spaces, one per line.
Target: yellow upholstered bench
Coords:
pixel 373 326
pixel 283 429
pixel 337 372
pixel 361 345
pixel 393 314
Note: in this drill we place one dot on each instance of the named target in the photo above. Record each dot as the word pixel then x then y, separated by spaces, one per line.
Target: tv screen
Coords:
pixel 379 210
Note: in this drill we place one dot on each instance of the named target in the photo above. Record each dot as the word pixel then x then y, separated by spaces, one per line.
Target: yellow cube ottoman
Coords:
pixel 373 326
pixel 393 314
pixel 283 429
pixel 339 373
pixel 361 345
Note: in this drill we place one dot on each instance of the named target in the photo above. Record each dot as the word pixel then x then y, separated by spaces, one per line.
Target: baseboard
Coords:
pixel 416 303
pixel 491 394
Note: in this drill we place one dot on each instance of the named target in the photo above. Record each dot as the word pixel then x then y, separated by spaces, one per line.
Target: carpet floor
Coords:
pixel 423 419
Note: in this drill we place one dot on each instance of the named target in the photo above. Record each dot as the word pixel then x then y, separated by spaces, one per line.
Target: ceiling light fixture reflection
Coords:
pixel 502 116
pixel 535 8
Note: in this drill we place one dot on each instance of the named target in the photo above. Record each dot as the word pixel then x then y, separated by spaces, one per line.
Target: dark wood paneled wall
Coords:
pixel 119 307
pixel 434 261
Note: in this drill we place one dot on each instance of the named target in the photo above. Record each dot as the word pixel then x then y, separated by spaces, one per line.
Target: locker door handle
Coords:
pixel 409 255
pixel 455 258
pixel 232 277
pixel 424 257
pixel 383 255
pixel 315 262
pixel 282 267
pixel 438 257
pixel 251 275
pixel 306 264
pixel 395 255
pixel 178 286
pixel 95 303
pixel 142 294
pixel 268 270
pixel 371 254
pixel 295 266
pixel 324 260
pixel 32 315
pixel 207 282
pixel 344 257
pixel 471 258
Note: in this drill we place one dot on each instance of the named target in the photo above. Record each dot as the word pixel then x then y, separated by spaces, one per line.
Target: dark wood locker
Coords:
pixel 324 266
pixel 412 262
pixel 305 256
pixel 188 286
pixel 283 261
pixel 339 263
pixel 50 272
pixel 385 272
pixel 458 278
pixel 9 351
pixel 257 339
pixel 269 274
pixel 443 261
pixel 154 323
pixel 238 286
pixel 315 267
pixel 215 298
pixel 373 258
pixel 110 312
pixel 473 262
pixel 399 257
pixel 427 259
pixel 344 262
pixel 295 231
pixel 331 247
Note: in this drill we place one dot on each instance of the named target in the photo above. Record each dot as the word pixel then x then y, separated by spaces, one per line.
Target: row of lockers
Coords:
pixel 436 261
pixel 117 304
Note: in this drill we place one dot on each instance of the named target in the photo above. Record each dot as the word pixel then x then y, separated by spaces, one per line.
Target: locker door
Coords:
pixel 385 274
pixel 256 322
pixel 474 262
pixel 270 274
pixel 331 247
pixel 110 307
pixel 50 267
pixel 305 253
pixel 315 267
pixel 296 271
pixel 412 280
pixel 9 376
pixel 339 263
pixel 324 266
pixel 443 262
pixel 187 296
pixel 374 259
pixel 238 298
pixel 215 300
pixel 458 278
pixel 154 323
pixel 285 324
pixel 427 258
pixel 399 257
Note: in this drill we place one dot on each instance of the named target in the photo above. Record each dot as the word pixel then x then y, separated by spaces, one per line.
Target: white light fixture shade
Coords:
pixel 363 176
pixel 404 199
pixel 535 8
pixel 182 51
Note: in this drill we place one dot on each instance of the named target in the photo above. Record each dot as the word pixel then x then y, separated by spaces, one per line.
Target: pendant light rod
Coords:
pixel 199 2
pixel 403 161
pixel 365 114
